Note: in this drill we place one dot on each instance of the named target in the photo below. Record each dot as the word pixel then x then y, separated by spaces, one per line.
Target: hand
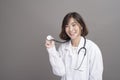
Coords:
pixel 49 43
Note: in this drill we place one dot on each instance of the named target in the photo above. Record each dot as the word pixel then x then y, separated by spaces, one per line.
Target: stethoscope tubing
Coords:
pixel 58 41
pixel 83 55
pixel 78 51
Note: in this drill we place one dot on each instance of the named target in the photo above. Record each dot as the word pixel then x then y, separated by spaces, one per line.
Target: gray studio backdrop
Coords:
pixel 24 25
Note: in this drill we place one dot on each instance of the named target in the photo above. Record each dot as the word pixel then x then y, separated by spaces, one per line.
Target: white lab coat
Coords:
pixel 64 62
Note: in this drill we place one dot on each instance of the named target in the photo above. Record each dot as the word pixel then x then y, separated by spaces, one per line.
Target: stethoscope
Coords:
pixel 49 37
pixel 85 50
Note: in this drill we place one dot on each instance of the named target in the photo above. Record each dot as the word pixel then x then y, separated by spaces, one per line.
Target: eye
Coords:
pixel 74 25
pixel 66 26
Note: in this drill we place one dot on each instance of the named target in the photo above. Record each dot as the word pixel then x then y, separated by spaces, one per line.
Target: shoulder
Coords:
pixel 93 50
pixel 64 45
pixel 90 43
pixel 92 46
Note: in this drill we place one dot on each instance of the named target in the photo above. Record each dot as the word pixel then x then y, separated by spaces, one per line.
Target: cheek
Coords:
pixel 66 30
pixel 78 30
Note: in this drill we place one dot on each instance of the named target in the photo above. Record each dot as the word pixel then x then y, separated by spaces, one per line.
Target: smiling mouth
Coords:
pixel 72 34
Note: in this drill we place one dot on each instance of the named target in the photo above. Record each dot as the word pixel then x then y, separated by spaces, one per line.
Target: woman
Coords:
pixel 78 58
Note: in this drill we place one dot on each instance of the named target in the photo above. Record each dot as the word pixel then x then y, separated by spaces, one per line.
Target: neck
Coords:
pixel 75 42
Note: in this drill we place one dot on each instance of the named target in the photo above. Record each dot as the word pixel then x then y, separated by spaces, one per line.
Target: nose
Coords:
pixel 70 28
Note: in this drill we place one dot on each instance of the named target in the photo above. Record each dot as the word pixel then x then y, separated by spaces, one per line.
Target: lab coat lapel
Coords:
pixel 81 43
pixel 68 45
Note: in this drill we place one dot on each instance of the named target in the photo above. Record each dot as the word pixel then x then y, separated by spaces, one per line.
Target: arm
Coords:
pixel 96 64
pixel 55 58
pixel 56 62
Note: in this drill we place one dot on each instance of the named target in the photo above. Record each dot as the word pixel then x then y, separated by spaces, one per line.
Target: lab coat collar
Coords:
pixel 69 45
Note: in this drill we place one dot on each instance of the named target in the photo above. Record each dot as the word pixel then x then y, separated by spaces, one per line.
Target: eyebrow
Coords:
pixel 71 23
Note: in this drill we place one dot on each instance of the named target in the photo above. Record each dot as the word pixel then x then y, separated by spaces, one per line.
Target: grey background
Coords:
pixel 24 25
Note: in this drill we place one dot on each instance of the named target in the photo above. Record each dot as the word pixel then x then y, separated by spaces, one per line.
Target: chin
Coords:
pixel 73 37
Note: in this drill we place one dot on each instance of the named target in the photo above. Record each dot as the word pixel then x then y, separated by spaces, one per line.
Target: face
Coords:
pixel 73 29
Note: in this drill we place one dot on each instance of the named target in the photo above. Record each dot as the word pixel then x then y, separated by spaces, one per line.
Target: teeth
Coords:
pixel 72 33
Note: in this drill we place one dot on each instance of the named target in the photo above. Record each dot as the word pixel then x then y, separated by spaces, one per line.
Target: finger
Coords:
pixel 49 43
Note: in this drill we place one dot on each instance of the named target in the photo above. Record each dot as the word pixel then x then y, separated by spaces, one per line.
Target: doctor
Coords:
pixel 78 58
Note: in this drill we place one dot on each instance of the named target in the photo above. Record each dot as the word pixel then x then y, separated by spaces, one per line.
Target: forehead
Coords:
pixel 72 20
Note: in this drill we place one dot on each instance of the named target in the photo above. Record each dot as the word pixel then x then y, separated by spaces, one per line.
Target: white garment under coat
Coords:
pixel 64 61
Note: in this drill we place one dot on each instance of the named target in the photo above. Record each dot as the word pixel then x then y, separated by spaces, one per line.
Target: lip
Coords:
pixel 72 34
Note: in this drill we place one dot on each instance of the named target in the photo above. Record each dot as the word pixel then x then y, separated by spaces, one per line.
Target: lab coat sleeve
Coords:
pixel 96 64
pixel 56 62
